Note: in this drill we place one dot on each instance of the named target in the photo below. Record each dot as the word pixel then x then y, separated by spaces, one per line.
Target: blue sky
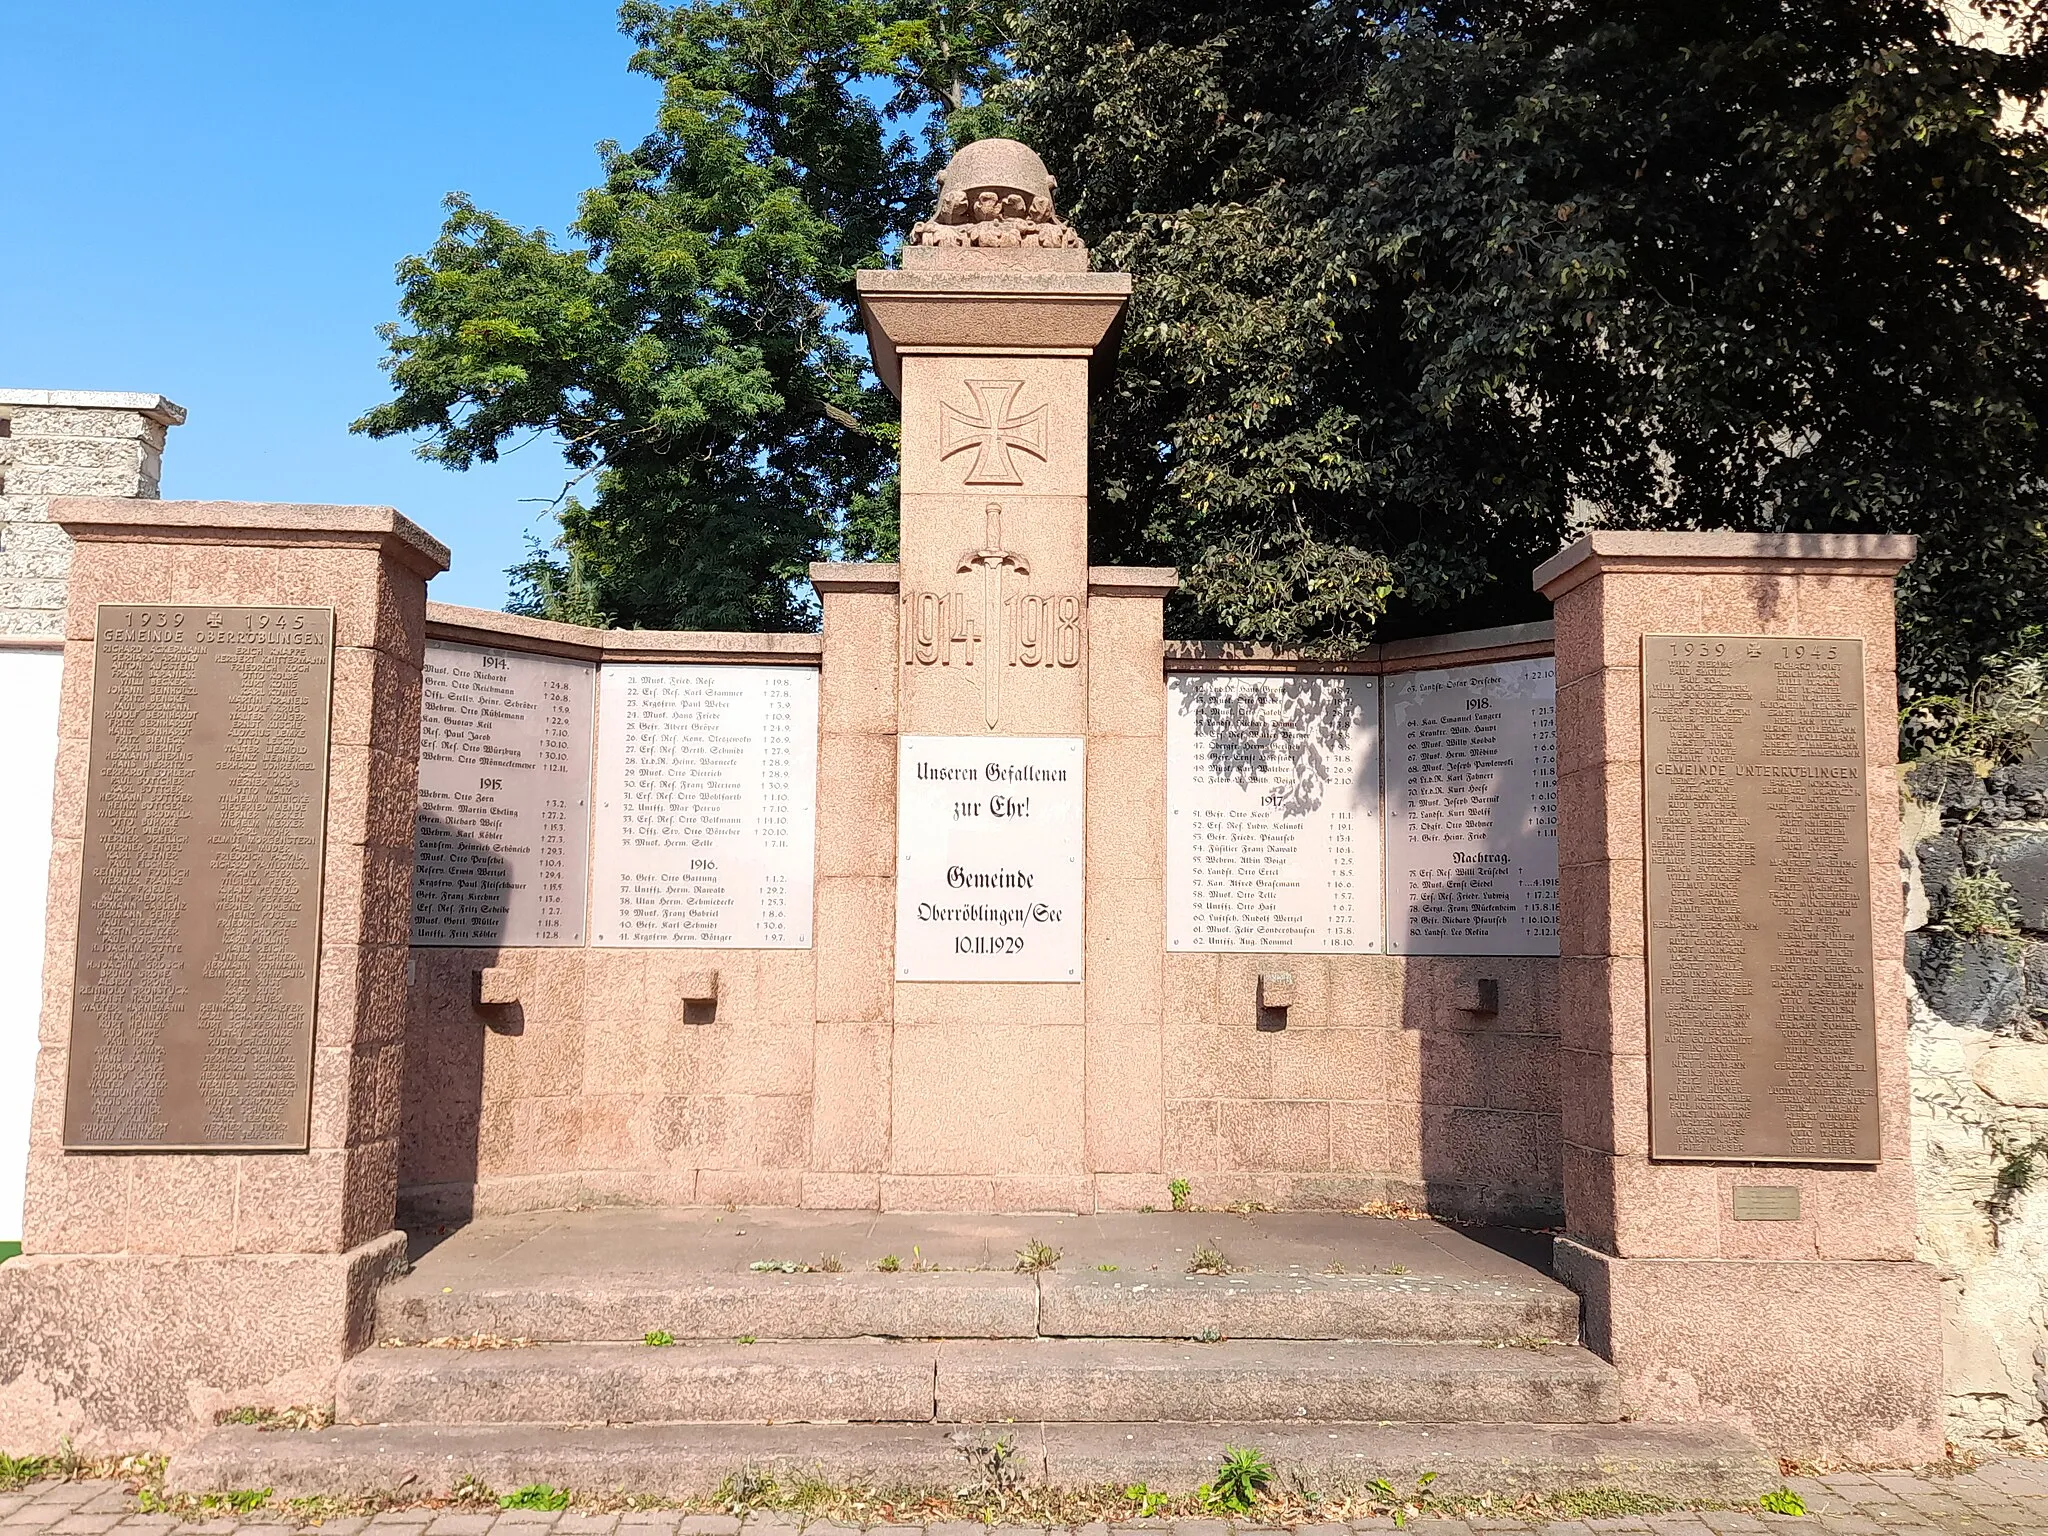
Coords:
pixel 207 201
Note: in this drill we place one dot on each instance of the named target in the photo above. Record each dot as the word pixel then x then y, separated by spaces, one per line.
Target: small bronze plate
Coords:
pixel 1756 832
pixel 199 904
pixel 1767 1202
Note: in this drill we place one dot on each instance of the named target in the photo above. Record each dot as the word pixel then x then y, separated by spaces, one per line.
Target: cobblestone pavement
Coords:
pixel 2001 1497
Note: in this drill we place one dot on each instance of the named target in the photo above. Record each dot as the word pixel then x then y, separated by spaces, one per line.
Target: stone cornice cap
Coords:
pixel 278 524
pixel 854 576
pixel 167 412
pixel 454 625
pixel 991 314
pixel 1132 580
pixel 1761 554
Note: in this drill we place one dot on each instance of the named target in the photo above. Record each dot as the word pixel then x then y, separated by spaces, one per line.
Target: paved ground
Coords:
pixel 2002 1497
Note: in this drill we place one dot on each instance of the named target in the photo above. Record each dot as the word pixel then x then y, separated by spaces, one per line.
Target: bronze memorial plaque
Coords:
pixel 1763 1022
pixel 199 907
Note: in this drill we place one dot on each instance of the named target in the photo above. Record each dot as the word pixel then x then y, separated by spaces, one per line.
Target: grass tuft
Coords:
pixel 1036 1257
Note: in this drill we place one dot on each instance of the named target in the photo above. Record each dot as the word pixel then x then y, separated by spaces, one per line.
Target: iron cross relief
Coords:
pixel 993 434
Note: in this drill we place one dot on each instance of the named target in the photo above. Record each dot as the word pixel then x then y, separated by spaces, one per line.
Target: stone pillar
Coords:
pixel 856 881
pixel 1126 989
pixel 1819 1334
pixel 66 442
pixel 990 336
pixel 158 1288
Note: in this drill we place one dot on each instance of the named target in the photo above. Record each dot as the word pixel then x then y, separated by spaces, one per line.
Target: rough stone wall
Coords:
pixel 65 443
pixel 1979 1052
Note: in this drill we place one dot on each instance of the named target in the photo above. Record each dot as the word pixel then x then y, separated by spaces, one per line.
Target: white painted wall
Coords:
pixel 28 768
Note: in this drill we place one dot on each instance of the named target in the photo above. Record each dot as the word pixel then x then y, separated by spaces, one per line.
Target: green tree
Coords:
pixel 691 346
pixel 1422 290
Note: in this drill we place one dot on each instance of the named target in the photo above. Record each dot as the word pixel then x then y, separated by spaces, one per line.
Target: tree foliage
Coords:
pixel 1425 289
pixel 691 345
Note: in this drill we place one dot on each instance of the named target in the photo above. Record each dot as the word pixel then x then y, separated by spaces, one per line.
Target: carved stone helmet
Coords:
pixel 989 173
pixel 996 195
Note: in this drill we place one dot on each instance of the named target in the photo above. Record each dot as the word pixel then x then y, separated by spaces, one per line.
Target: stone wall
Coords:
pixel 1426 1081
pixel 1979 1049
pixel 66 442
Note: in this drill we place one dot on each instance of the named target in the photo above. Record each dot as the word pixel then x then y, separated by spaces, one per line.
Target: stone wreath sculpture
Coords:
pixel 996 195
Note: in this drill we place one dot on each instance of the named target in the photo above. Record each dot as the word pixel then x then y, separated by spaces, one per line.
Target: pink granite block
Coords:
pixel 850 1104
pixel 841 1191
pixel 1191 988
pixel 1192 1143
pixel 857 684
pixel 855 947
pixel 67 806
pixel 1863 1213
pixel 751 1131
pixel 1126 687
pixel 544 1134
pixel 1132 1192
pixel 1366 991
pixel 1041 1192
pixel 1836 1361
pixel 1487 1147
pixel 376 702
pixel 1363 1137
pixel 1599 719
pixel 1307 1063
pixel 1274 1136
pixel 1208 1061
pixel 296 1204
pixel 996 1099
pixel 1638 1209
pixel 77 1203
pixel 759 1187
pixel 1751 603
pixel 1126 1102
pixel 857 805
pixel 1600 813
pixel 1603 1004
pixel 1600 908
pixel 1605 1101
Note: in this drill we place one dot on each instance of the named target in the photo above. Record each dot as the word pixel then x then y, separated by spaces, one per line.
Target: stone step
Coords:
pixel 980 1305
pixel 1296 1306
pixel 1094 1380
pixel 860 1381
pixel 690 1461
pixel 978 1381
pixel 767 1306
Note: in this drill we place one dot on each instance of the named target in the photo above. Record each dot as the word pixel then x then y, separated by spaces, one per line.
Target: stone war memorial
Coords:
pixel 416 973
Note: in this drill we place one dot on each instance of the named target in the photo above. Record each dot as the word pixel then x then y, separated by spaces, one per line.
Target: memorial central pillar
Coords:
pixel 990 334
pixel 1737 1159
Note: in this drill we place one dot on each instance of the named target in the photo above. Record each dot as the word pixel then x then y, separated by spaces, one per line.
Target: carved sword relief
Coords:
pixel 995 627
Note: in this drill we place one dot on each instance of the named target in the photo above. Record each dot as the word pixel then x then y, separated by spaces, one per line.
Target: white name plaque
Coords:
pixel 706 807
pixel 1272 813
pixel 989 834
pixel 1472 810
pixel 503 837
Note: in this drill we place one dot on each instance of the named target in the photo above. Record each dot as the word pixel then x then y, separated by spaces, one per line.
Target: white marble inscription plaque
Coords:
pixel 504 810
pixel 989 838
pixel 1273 813
pixel 707 786
pixel 1472 810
